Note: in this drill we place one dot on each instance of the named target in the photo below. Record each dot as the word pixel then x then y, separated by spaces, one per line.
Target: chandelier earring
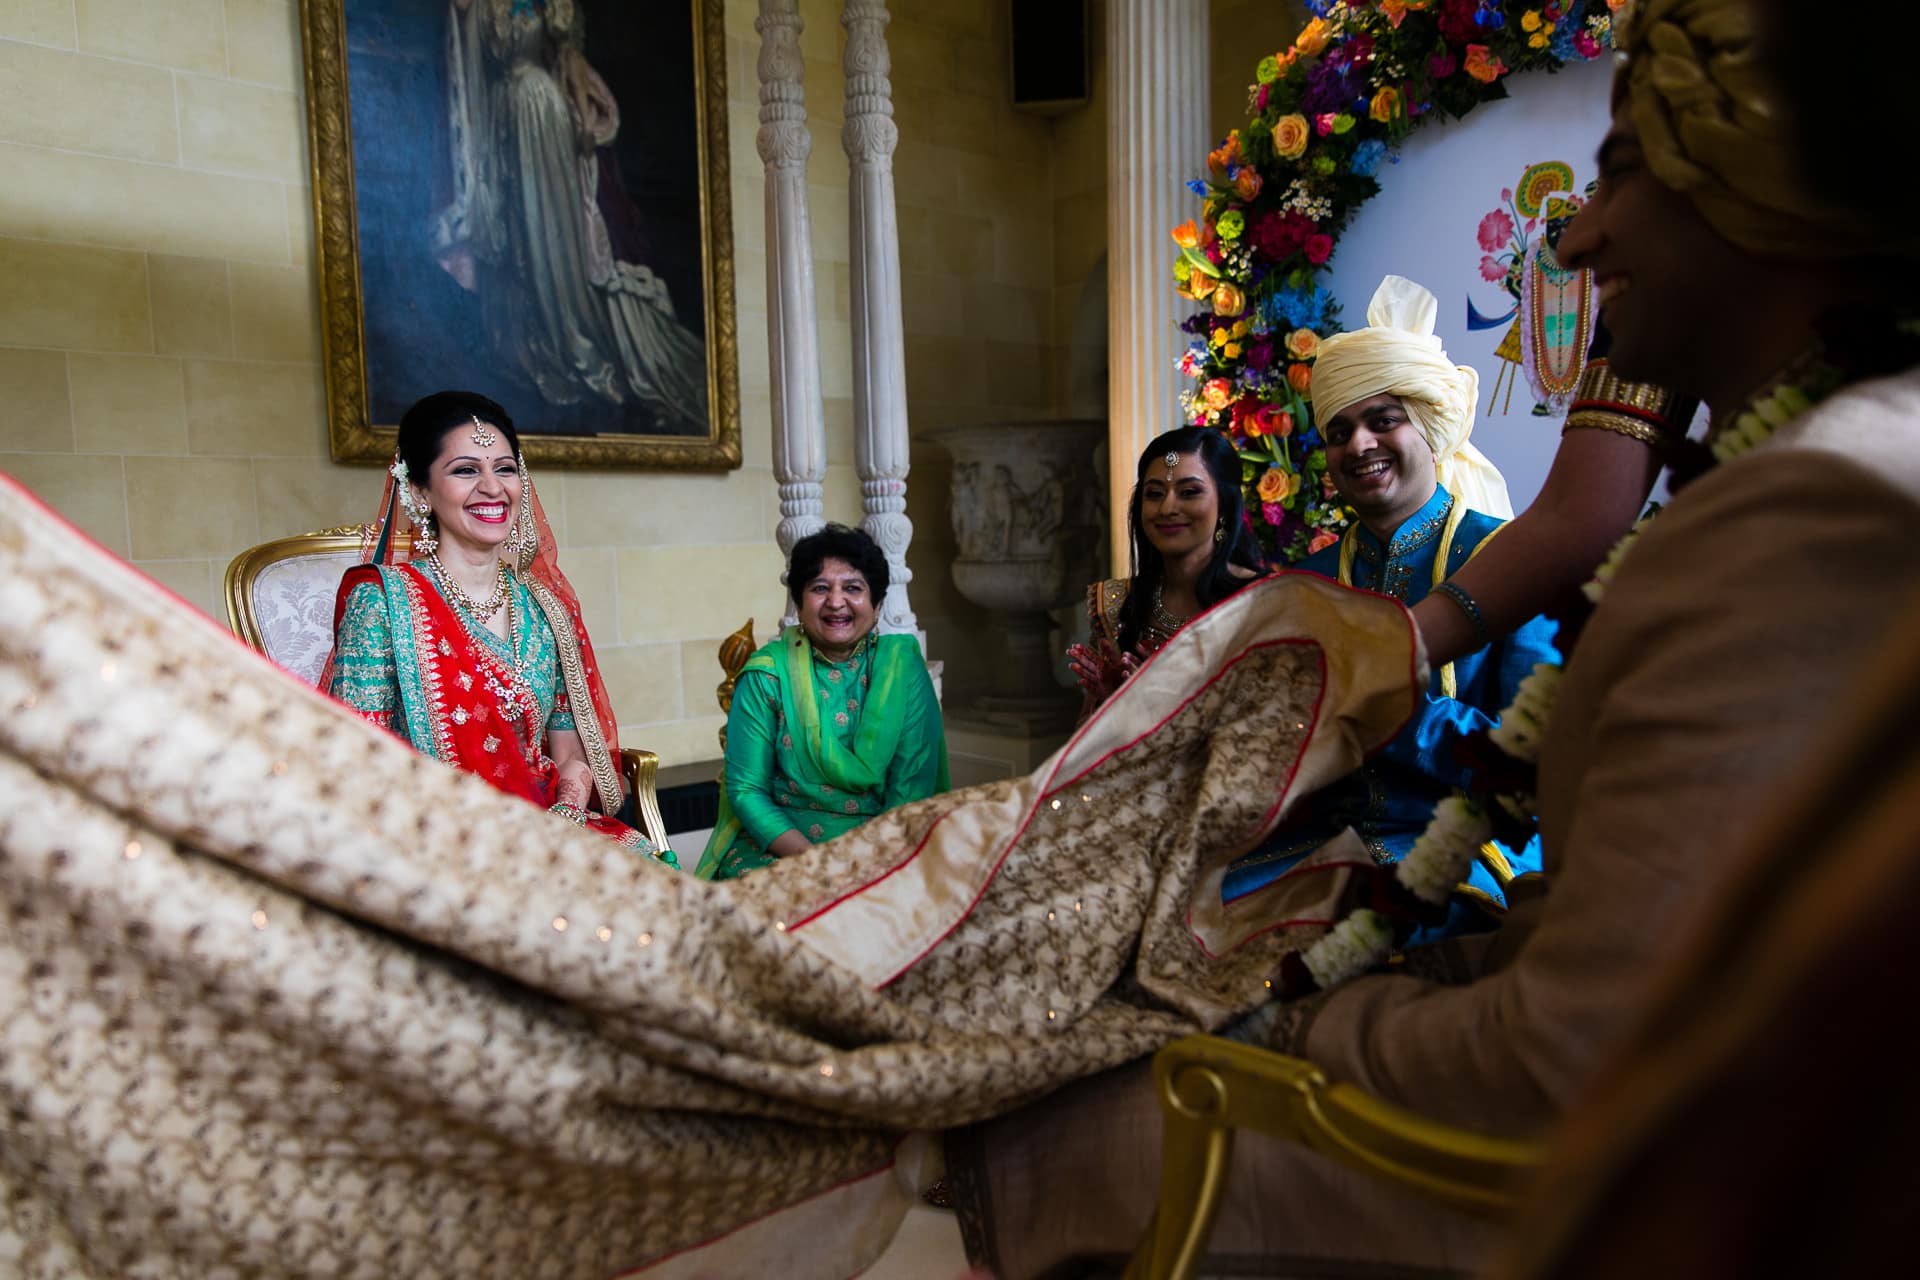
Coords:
pixel 1220 530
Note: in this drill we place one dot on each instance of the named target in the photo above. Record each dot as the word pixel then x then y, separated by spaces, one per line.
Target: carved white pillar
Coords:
pixel 879 354
pixel 793 341
pixel 1156 140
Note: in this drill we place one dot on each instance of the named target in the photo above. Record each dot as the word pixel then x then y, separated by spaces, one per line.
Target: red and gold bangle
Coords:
pixel 1638 410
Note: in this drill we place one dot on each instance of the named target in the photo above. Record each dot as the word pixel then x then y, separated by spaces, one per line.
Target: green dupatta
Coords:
pixel 897 679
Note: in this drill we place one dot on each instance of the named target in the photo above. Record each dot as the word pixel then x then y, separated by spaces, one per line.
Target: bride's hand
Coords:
pixel 573 783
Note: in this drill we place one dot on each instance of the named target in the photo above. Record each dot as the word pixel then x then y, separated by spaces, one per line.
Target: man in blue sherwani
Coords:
pixel 1396 414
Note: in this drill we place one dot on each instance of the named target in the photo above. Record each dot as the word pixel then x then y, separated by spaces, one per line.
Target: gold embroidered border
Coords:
pixel 586 720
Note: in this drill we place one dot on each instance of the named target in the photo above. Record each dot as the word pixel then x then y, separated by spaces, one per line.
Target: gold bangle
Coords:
pixel 1619 423
pixel 1599 387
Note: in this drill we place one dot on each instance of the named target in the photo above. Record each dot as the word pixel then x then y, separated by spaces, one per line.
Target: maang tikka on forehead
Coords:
pixel 483 435
pixel 1172 460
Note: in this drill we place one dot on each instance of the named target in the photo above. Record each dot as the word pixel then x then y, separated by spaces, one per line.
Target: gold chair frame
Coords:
pixel 640 768
pixel 1208 1087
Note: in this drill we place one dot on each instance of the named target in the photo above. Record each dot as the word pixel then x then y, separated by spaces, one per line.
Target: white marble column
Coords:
pixel 1157 94
pixel 799 431
pixel 879 355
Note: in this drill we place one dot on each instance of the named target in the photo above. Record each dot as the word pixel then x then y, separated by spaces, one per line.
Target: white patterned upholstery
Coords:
pixel 293 603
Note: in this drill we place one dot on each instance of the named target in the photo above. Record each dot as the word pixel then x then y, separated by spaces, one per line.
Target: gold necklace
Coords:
pixel 455 593
pixel 1163 621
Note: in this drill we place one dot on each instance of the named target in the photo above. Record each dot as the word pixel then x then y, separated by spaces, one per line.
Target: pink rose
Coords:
pixel 1321 541
pixel 1273 513
pixel 1491 269
pixel 1318 248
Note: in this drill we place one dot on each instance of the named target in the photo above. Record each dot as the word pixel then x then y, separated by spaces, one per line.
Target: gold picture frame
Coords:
pixel 339 200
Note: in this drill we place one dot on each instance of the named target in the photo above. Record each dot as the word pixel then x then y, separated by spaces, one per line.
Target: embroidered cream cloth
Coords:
pixel 280 997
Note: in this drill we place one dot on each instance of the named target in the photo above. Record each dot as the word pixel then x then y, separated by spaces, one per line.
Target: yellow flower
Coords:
pixel 1313 37
pixel 1386 105
pixel 1240 329
pixel 1201 284
pixel 1302 343
pixel 1218 338
pixel 1290 136
pixel 1231 351
pixel 1215 393
pixel 1530 20
pixel 1228 300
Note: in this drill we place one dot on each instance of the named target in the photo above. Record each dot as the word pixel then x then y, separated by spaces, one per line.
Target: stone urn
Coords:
pixel 1029 513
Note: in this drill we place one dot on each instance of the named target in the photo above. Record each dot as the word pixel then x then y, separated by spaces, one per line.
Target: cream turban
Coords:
pixel 1398 354
pixel 1714 129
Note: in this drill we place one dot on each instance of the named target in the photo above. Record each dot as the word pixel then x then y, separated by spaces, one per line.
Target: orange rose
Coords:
pixel 1186 236
pixel 1386 105
pixel 1482 65
pixel 1228 301
pixel 1278 484
pixel 1290 136
pixel 1321 541
pixel 1302 343
pixel 1313 38
pixel 1247 182
pixel 1300 378
pixel 1215 393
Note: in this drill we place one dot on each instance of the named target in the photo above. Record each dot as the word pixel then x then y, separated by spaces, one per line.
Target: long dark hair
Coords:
pixel 1236 546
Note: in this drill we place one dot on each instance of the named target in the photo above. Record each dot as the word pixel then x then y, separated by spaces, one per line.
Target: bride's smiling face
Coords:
pixel 473 489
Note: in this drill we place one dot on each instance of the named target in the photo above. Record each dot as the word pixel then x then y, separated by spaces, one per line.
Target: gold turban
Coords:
pixel 1399 354
pixel 1715 129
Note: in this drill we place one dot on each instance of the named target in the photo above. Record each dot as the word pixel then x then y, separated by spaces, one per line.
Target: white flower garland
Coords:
pixel 1443 855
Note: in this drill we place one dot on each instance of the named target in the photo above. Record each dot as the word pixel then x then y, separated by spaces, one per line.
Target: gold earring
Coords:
pixel 1220 532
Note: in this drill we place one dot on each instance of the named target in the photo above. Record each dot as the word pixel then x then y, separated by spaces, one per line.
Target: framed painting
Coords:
pixel 528 199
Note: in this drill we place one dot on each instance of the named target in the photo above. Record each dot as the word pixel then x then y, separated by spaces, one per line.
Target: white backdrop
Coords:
pixel 1423 225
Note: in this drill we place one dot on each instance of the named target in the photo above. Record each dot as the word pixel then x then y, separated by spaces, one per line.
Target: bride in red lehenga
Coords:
pixel 478 661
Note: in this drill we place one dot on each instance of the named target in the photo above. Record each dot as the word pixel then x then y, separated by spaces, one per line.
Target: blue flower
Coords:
pixel 1488 15
pixel 1304 308
pixel 1198 187
pixel 1561 43
pixel 1319 8
pixel 1366 157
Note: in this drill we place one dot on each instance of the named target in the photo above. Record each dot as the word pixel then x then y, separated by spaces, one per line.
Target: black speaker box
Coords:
pixel 1052 55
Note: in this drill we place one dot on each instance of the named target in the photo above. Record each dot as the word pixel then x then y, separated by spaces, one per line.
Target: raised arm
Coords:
pixel 1598 483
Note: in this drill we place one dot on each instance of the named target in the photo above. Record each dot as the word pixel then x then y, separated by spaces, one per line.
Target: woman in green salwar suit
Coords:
pixel 831 724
